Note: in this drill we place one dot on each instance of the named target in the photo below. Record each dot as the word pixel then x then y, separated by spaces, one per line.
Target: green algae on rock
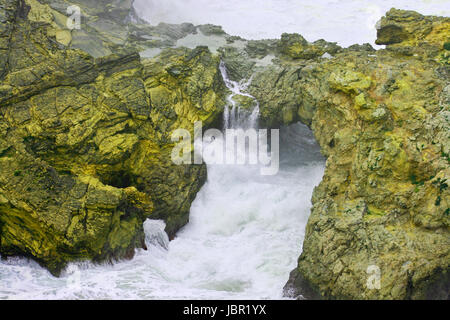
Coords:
pixel 382 120
pixel 85 142
pixel 86 124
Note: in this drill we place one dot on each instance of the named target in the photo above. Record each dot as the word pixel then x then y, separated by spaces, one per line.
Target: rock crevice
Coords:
pixel 86 123
pixel 85 148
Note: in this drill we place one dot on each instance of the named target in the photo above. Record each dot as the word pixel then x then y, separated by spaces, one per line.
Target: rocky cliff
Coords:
pixel 382 120
pixel 379 226
pixel 86 123
pixel 85 142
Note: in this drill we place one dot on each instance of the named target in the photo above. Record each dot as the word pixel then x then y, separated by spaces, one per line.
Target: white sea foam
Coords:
pixel 246 230
pixel 244 236
pixel 344 21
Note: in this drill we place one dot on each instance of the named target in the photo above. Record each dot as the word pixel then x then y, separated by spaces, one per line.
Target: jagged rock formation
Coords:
pixel 85 148
pixel 382 120
pixel 85 140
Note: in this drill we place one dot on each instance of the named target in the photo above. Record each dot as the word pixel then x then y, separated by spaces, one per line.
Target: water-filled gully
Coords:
pixel 243 239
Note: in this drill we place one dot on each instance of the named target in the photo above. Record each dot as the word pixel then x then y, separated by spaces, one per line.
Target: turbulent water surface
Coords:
pixel 243 239
pixel 344 21
pixel 246 230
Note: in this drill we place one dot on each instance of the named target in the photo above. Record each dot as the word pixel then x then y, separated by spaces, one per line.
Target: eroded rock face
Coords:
pixel 85 148
pixel 86 124
pixel 382 120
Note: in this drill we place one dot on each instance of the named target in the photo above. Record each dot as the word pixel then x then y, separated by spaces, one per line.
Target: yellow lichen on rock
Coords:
pixel 85 154
pixel 381 118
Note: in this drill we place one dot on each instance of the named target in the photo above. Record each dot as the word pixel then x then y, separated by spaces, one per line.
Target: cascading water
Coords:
pixel 244 236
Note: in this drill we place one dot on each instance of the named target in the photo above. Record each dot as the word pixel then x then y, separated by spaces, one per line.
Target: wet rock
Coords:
pixel 210 29
pixel 85 148
pixel 245 102
pixel 296 47
pixel 85 140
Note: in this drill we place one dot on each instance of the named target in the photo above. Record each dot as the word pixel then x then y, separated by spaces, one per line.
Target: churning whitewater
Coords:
pixel 243 238
pixel 333 20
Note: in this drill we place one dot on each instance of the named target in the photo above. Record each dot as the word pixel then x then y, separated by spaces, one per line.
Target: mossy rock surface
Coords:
pixel 85 143
pixel 85 148
pixel 245 102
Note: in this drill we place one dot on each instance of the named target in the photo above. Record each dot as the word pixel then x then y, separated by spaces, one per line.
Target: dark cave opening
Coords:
pixel 119 179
